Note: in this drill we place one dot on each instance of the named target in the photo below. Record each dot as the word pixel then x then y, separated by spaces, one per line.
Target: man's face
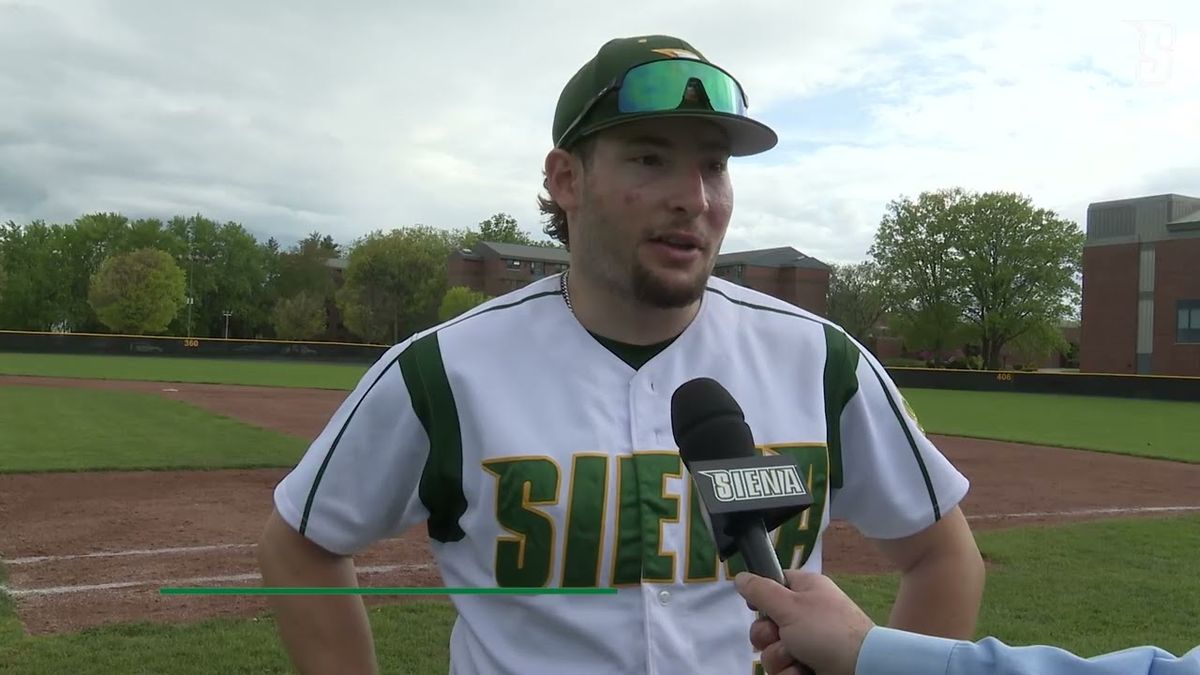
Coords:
pixel 653 210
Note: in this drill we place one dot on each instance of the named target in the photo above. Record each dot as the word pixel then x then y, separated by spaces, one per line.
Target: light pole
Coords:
pixel 191 271
pixel 226 314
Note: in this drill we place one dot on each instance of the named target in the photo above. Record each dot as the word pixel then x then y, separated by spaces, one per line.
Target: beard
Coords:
pixel 653 291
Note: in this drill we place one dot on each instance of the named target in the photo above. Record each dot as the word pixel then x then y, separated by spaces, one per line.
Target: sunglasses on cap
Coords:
pixel 667 84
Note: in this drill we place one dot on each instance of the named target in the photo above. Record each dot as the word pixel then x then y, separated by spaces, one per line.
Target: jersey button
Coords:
pixel 664 597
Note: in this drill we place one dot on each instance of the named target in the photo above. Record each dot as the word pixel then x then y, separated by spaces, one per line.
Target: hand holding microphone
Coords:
pixel 745 496
pixel 811 619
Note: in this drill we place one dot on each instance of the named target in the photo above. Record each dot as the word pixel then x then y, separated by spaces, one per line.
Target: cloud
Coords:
pixel 290 117
pixel 1065 106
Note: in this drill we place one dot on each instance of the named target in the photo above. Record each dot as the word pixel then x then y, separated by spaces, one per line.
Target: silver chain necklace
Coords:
pixel 562 288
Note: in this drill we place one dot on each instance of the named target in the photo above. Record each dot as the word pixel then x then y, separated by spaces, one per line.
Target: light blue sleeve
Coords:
pixel 892 652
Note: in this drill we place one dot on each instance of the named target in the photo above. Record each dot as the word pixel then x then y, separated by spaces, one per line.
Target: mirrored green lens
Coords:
pixel 668 84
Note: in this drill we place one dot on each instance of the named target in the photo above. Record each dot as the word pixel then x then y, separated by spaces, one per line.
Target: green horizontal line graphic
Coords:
pixel 384 591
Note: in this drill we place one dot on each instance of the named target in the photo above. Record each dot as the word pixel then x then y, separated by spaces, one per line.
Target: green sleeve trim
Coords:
pixel 841 384
pixel 440 488
pixel 424 375
pixel 912 443
pixel 312 493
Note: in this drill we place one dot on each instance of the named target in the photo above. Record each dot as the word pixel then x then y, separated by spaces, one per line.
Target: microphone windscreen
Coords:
pixel 708 423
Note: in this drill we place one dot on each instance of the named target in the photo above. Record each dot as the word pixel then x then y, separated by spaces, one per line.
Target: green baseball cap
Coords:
pixel 655 76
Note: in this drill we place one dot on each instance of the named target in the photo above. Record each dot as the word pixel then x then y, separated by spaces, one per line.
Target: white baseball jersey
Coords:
pixel 538 458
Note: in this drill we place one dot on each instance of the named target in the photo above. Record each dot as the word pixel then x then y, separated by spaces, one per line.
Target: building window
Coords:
pixel 734 272
pixel 512 264
pixel 536 268
pixel 1188 327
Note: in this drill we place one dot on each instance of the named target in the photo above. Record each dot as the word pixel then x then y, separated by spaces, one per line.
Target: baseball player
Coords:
pixel 532 435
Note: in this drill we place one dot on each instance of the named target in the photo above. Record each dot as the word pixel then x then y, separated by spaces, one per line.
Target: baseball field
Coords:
pixel 120 476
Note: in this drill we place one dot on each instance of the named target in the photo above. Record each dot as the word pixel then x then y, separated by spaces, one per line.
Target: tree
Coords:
pixel 917 264
pixel 1040 341
pixel 152 233
pixel 395 281
pixel 1019 272
pixel 458 300
pixel 271 296
pixel 300 317
pixel 36 289
pixel 137 292
pixel 501 228
pixel 985 267
pixel 303 268
pixel 85 244
pixel 321 245
pixel 857 298
pixel 226 270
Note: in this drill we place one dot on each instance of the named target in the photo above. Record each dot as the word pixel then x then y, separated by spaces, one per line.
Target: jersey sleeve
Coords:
pixel 887 651
pixel 893 481
pixel 358 482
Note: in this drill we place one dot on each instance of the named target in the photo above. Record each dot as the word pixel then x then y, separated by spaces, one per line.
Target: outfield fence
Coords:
pixel 158 345
pixel 1162 387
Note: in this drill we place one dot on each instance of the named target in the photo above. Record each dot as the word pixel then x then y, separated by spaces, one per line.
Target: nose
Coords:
pixel 690 194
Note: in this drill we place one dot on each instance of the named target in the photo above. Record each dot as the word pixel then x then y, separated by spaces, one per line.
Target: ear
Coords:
pixel 564 178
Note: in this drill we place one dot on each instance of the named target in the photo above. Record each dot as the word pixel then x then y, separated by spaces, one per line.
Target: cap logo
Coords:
pixel 677 53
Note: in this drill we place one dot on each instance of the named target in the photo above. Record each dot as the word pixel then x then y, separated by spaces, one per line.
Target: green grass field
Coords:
pixel 409 638
pixel 1165 429
pixel 180 369
pixel 52 429
pixel 11 631
pixel 1162 429
pixel 1090 588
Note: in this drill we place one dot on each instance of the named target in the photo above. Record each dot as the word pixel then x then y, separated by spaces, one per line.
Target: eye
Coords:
pixel 648 160
pixel 718 166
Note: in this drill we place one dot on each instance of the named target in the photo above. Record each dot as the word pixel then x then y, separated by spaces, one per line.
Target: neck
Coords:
pixel 603 311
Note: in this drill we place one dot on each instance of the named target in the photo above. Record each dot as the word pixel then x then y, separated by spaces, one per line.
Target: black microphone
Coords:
pixel 745 495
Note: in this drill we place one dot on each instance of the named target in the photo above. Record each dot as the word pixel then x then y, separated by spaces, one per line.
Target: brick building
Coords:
pixel 1141 286
pixel 495 269
pixel 785 273
pixel 782 272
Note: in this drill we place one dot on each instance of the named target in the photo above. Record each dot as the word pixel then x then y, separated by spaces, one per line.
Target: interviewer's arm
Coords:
pixel 326 634
pixel 815 622
pixel 890 652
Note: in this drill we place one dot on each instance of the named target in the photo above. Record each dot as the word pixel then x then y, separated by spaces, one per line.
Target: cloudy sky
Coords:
pixel 353 116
